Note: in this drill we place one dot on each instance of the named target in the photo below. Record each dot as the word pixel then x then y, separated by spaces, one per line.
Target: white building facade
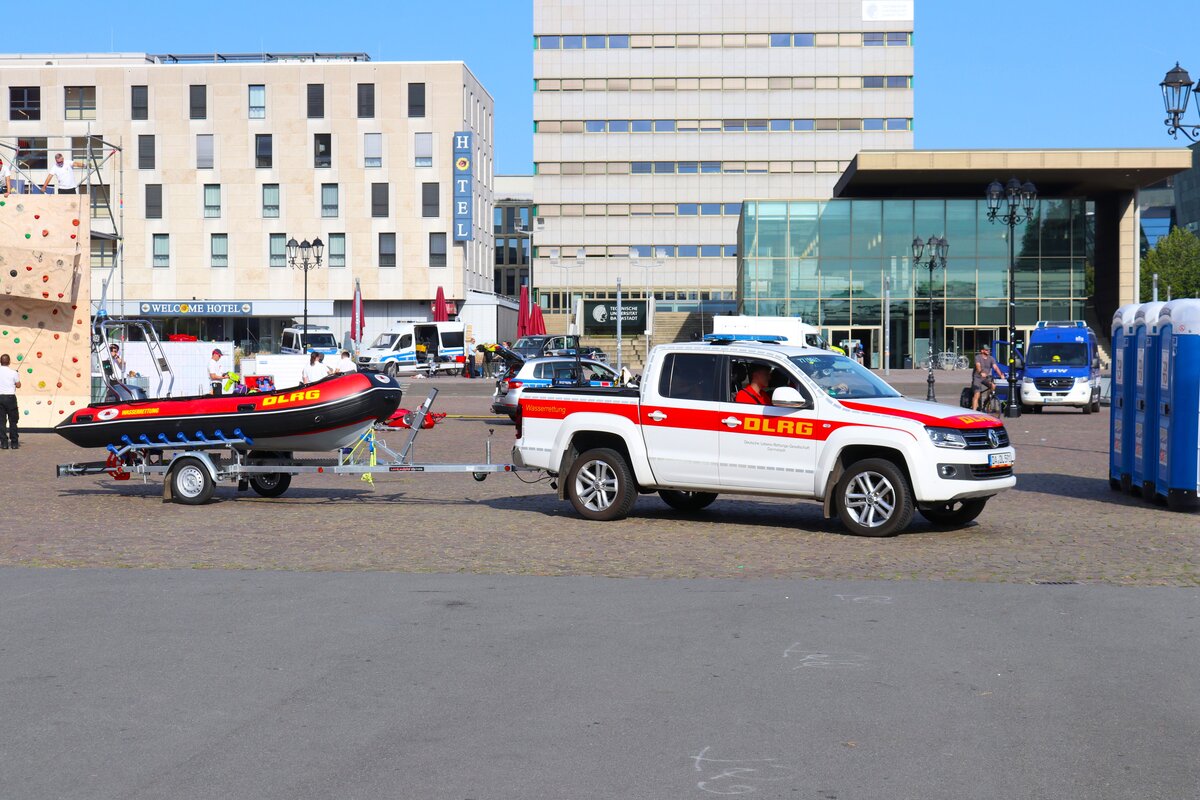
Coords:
pixel 653 121
pixel 224 158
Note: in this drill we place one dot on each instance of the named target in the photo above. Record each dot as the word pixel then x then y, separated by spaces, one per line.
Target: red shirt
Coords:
pixel 751 395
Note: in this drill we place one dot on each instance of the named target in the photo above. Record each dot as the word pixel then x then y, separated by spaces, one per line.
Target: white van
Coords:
pixel 299 339
pixel 788 330
pixel 416 346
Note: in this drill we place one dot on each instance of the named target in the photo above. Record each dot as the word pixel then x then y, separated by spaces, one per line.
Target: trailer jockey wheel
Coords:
pixel 116 468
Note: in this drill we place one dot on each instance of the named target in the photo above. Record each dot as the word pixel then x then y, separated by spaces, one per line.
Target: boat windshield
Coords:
pixel 1057 354
pixel 842 377
pixel 385 341
pixel 322 340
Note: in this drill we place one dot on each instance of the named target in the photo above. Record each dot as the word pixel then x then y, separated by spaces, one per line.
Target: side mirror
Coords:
pixel 787 397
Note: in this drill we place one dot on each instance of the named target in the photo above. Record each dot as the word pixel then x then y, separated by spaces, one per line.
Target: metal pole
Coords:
pixel 1014 402
pixel 304 335
pixel 887 327
pixel 930 394
pixel 619 321
pixel 1154 288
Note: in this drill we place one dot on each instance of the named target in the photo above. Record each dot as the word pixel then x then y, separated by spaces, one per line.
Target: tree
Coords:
pixel 1176 259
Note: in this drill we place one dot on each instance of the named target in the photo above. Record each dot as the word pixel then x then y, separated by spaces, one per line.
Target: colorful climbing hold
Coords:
pixel 45 279
pixel 45 232
pixel 29 236
pixel 75 222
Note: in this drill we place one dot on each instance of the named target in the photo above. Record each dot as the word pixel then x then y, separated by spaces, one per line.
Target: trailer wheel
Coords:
pixel 687 502
pixel 271 484
pixel 600 485
pixel 191 485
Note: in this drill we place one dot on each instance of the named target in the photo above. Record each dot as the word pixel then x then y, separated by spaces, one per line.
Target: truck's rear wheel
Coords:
pixel 687 501
pixel 272 484
pixel 392 370
pixel 954 514
pixel 873 498
pixel 600 485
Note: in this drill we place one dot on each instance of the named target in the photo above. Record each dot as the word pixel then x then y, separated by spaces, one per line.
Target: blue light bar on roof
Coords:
pixel 743 337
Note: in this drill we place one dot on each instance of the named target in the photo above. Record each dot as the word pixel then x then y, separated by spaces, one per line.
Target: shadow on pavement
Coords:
pixel 1077 486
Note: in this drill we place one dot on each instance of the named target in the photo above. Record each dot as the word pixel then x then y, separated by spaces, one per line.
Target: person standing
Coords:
pixel 63 175
pixel 118 364
pixel 10 381
pixel 216 375
pixel 5 177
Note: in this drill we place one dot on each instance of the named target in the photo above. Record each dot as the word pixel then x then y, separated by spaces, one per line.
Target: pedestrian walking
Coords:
pixel 10 381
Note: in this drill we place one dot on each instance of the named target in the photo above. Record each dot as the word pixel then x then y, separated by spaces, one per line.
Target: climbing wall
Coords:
pixel 44 303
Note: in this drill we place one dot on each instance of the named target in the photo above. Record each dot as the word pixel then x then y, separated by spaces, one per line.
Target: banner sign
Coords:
pixel 197 308
pixel 887 10
pixel 463 186
pixel 600 317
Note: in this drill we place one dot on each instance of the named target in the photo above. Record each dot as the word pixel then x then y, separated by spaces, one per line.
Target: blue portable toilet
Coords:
pixel 1120 421
pixel 1145 392
pixel 1178 466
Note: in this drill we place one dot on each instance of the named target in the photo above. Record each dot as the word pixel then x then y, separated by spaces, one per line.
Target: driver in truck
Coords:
pixel 757 391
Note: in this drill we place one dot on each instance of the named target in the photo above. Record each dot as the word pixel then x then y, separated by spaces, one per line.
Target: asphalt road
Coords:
pixel 219 684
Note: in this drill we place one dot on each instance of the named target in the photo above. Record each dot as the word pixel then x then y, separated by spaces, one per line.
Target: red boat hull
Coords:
pixel 321 416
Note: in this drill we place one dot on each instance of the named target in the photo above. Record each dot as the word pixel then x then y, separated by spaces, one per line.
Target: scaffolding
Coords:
pixel 97 157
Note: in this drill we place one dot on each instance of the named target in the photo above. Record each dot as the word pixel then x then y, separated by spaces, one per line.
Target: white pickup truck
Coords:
pixel 834 432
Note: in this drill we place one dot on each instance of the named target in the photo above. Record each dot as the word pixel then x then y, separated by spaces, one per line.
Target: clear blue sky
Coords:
pixel 1021 73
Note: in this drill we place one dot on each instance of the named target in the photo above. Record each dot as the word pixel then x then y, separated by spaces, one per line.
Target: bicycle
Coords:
pixel 989 403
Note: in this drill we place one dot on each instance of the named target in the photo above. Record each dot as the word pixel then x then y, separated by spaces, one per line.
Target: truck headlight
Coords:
pixel 1027 381
pixel 1082 381
pixel 946 437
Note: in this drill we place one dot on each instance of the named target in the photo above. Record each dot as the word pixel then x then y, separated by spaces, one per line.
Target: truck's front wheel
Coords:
pixel 873 498
pixel 600 485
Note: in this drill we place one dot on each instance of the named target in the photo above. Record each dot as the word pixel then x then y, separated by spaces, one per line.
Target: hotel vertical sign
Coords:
pixel 463 187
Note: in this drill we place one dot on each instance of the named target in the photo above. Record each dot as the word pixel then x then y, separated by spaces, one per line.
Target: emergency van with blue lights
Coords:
pixel 416 346
pixel 1061 367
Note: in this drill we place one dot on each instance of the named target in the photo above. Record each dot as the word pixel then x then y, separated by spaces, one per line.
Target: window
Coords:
pixel 897 82
pixel 710 209
pixel 416 99
pixel 212 200
pixel 204 151
pixel 329 200
pixel 691 376
pixel 872 124
pixel 336 250
pixel 316 101
pixel 379 200
pixel 897 39
pixel 431 200
pixel 618 42
pixel 366 101
pixel 277 252
pixel 258 101
pixel 710 167
pixel 198 101
pixel 803 40
pixel 898 124
pixel 781 125
pixel 24 103
pixel 572 42
pixel 104 253
pixel 263 150
pixel 802 124
pixel 218 250
pixel 80 102
pixel 423 149
pixel 145 152
pixel 872 82
pixel 664 126
pixel 139 102
pixel 270 201
pixel 162 250
pixel 437 249
pixel 322 150
pixel 153 201
pixel 594 42
pixel 641 168
pixel 781 40
pixel 387 250
pixel 710 251
pixel 618 126
pixel 594 126
pixel 99 202
pixel 686 209
pixel 688 251
pixel 642 126
pixel 873 40
pixel 372 149
pixel 84 148
pixel 688 167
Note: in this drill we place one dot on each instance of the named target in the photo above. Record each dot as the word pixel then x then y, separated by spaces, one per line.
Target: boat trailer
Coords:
pixel 193 466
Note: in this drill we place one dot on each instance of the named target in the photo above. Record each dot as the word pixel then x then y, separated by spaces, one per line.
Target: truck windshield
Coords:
pixel 842 377
pixel 1057 354
pixel 323 340
pixel 385 341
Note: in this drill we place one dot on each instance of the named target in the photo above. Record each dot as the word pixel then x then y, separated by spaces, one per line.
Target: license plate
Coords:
pixel 997 460
pixel 1052 399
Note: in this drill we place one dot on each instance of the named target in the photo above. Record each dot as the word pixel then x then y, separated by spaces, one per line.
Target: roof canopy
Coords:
pixel 966 173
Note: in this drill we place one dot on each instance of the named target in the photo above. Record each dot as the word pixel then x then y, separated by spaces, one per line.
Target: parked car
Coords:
pixel 546 372
pixel 545 345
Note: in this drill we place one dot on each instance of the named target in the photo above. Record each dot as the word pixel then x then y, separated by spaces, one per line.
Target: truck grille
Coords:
pixel 977 439
pixel 982 472
pixel 1043 384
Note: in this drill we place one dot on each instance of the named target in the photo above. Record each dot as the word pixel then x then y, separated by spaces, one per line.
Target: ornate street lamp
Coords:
pixel 305 256
pixel 938 248
pixel 1012 204
pixel 1177 90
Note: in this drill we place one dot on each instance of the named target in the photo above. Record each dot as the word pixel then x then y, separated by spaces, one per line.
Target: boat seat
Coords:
pixel 123 392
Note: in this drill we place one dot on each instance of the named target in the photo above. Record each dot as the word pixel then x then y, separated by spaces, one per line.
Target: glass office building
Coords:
pixel 827 262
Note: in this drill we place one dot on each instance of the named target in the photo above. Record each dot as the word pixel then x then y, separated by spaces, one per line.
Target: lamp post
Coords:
pixel 305 256
pixel 1011 203
pixel 938 249
pixel 1177 90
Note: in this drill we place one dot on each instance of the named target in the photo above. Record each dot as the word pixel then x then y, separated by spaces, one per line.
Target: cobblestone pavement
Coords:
pixel 1061 523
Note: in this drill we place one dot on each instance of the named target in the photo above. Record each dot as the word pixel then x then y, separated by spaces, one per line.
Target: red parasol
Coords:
pixel 537 323
pixel 523 313
pixel 440 312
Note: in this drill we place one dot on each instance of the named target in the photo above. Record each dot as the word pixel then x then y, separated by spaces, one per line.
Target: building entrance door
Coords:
pixel 870 337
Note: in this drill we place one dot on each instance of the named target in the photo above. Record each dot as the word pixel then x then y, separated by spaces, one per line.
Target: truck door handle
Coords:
pixel 732 422
pixel 657 415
